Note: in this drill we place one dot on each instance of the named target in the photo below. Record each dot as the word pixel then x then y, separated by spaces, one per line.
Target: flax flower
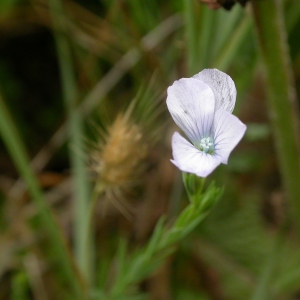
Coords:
pixel 201 106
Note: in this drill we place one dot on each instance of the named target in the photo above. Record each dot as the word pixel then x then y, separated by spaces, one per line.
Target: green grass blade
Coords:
pixel 225 24
pixel 282 101
pixel 292 13
pixel 230 51
pixel 191 37
pixel 81 192
pixel 16 148
pixel 206 36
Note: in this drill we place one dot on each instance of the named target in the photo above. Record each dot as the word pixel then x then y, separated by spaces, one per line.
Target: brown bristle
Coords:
pixel 118 160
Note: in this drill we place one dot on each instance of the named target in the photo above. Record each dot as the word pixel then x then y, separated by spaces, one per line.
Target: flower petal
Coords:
pixel 222 85
pixel 191 104
pixel 189 159
pixel 228 131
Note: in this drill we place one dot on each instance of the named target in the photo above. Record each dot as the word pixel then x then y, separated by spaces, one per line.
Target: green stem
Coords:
pixel 164 239
pixel 76 131
pixel 58 250
pixel 191 37
pixel 206 37
pixel 19 287
pixel 293 13
pixel 89 229
pixel 232 47
pixel 223 30
pixel 282 96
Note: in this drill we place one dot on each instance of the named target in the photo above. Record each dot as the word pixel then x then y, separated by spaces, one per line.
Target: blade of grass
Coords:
pixel 59 252
pixel 282 96
pixel 191 37
pixel 206 36
pixel 144 13
pixel 224 26
pixel 81 191
pixel 292 13
pixel 19 286
pixel 227 55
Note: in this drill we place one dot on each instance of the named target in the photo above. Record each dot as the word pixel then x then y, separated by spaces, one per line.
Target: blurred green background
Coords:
pixel 68 67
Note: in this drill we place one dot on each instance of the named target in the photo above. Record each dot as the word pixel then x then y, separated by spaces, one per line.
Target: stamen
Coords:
pixel 206 145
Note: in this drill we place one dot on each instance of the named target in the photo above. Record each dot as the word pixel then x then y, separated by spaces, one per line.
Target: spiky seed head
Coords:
pixel 118 159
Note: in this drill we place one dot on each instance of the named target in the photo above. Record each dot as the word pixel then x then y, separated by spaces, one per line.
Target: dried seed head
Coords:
pixel 118 159
pixel 123 153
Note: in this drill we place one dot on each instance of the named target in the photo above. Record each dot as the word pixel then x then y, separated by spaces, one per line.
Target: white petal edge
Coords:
pixel 191 104
pixel 189 159
pixel 228 131
pixel 222 86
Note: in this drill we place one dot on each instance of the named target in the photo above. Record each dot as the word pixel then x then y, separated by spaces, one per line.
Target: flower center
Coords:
pixel 207 145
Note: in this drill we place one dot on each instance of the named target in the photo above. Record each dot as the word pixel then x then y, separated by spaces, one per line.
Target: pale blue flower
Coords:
pixel 201 106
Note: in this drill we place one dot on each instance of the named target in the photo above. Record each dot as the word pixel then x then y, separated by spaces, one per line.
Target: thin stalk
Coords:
pixel 59 251
pixel 283 107
pixel 76 133
pixel 19 287
pixel 164 239
pixel 89 230
pixel 191 37
pixel 175 197
pixel 293 13
pixel 230 51
pixel 206 37
pixel 224 26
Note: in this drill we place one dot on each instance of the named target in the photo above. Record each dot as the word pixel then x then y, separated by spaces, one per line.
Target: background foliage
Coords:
pixel 68 71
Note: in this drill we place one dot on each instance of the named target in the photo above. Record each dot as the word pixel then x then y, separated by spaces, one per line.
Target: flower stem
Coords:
pixel 283 107
pixel 135 268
